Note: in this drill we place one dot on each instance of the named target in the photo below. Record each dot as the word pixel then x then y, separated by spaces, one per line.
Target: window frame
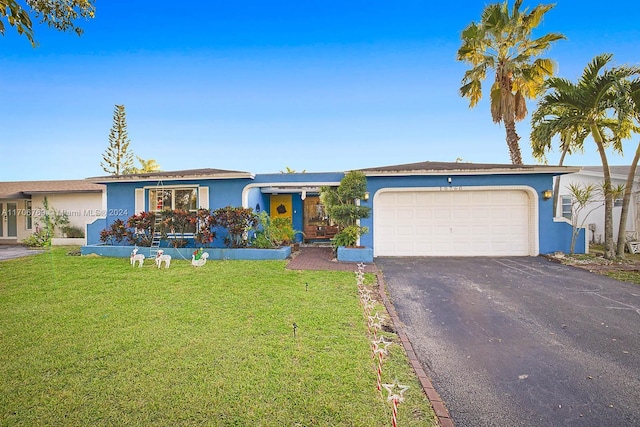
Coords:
pixel 194 188
pixel 28 208
pixel 153 206
pixel 566 201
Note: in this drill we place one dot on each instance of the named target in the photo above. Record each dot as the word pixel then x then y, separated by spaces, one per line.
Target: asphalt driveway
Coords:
pixel 522 341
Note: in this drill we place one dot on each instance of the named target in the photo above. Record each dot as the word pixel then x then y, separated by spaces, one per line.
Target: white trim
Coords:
pixel 139 200
pixel 155 187
pixel 287 187
pixel 534 240
pixel 203 197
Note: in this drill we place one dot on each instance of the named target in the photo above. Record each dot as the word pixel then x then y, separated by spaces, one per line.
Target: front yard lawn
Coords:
pixel 93 341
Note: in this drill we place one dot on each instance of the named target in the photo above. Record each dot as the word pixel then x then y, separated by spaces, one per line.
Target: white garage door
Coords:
pixel 452 223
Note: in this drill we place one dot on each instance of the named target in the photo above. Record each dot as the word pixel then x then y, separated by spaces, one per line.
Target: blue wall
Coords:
pixel 121 198
pixel 553 236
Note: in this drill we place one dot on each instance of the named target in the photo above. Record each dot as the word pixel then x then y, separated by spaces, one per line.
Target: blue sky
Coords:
pixel 261 86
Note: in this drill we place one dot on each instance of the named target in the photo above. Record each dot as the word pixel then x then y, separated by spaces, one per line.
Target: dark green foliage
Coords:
pixel 72 231
pixel 342 209
pixel 274 232
pixel 117 160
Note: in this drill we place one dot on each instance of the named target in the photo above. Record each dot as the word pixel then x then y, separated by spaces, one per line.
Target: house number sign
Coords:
pixel 457 188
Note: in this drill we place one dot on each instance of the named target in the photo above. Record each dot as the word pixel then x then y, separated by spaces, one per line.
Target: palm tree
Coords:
pixel 634 94
pixel 568 145
pixel 594 106
pixel 502 42
pixel 150 165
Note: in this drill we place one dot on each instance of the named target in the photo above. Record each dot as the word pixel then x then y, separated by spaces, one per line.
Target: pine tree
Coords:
pixel 117 159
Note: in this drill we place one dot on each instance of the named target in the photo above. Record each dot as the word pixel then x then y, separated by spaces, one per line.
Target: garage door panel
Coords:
pixel 450 223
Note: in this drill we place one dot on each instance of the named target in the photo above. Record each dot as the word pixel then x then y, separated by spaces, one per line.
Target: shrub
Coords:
pixel 274 232
pixel 342 209
pixel 348 236
pixel 38 239
pixel 238 222
pixel 115 233
pixel 142 225
pixel 72 231
pixel 204 221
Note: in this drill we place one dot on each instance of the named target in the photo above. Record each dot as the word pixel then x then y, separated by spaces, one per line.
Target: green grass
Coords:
pixel 93 341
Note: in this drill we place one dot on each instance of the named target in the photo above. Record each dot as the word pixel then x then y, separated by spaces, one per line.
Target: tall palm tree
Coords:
pixel 594 106
pixel 634 94
pixel 502 42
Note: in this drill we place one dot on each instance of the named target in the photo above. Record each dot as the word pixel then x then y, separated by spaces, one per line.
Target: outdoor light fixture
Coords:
pixel 547 194
pixel 366 195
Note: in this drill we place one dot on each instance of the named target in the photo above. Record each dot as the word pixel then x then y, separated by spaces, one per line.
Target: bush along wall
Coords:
pixel 230 227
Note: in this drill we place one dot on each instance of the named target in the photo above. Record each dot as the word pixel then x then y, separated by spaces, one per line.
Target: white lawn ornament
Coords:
pixel 199 262
pixel 136 257
pixel 161 257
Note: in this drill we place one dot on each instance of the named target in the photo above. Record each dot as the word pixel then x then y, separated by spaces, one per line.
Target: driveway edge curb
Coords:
pixel 439 408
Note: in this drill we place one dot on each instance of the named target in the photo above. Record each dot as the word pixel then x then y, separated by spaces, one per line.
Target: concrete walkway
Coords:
pixel 322 258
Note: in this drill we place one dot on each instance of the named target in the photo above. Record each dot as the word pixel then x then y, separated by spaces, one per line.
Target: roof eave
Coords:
pixel 559 170
pixel 141 178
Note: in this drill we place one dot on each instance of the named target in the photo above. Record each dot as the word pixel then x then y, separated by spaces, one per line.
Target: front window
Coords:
pixel 566 206
pixel 169 199
pixel 182 202
pixel 27 208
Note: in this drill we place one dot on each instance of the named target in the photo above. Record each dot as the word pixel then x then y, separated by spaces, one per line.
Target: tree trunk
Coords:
pixel 556 185
pixel 626 199
pixel 512 141
pixel 609 248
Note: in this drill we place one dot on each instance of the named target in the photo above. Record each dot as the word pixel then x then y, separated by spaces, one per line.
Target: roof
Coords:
pixel 436 168
pixel 173 175
pixel 614 170
pixel 24 189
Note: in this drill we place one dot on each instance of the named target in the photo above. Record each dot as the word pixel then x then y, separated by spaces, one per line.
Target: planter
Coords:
pixel 185 253
pixel 348 254
pixel 68 241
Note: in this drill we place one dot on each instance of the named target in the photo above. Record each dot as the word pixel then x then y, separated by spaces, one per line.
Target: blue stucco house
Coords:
pixel 417 209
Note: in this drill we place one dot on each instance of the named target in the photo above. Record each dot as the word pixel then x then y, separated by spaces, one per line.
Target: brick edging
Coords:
pixel 439 408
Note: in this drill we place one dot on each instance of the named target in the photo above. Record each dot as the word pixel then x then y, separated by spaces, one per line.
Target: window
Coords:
pixel 566 206
pixel 169 199
pixel 618 202
pixel 27 209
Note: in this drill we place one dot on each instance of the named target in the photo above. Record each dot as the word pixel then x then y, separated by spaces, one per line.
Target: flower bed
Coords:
pixel 186 253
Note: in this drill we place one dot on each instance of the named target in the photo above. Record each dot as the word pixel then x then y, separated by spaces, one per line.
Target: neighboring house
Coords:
pixel 22 205
pixel 594 221
pixel 418 209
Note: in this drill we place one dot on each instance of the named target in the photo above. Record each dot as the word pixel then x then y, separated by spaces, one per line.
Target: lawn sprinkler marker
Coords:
pixel 294 329
pixel 395 397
